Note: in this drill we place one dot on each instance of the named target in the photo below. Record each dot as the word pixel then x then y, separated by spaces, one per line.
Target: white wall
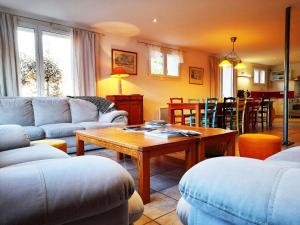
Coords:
pixel 245 83
pixel 156 91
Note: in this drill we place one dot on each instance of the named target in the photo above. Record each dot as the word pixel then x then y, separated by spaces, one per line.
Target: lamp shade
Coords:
pixel 225 63
pixel 119 72
pixel 240 66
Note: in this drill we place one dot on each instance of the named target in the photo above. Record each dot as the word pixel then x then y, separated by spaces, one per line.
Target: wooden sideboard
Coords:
pixel 133 104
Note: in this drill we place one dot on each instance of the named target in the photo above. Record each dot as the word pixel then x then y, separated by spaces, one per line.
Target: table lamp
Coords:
pixel 119 73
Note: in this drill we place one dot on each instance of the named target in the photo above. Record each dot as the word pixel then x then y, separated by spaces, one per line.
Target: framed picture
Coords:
pixel 196 75
pixel 125 59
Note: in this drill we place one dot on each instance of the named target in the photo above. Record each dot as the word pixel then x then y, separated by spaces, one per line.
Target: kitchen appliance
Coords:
pixel 294 107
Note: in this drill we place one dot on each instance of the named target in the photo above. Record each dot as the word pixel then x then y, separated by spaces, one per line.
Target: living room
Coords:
pixel 161 112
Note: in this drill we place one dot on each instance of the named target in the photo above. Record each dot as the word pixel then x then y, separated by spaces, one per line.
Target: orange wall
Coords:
pixel 156 91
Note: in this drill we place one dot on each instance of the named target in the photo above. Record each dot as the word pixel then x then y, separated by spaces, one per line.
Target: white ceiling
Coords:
pixel 201 24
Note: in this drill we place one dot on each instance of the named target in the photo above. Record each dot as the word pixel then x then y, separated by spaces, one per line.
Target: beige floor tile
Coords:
pixel 172 192
pixel 152 223
pixel 159 206
pixel 169 219
pixel 143 220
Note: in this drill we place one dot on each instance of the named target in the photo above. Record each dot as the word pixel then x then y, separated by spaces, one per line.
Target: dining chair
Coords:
pixel 192 112
pixel 253 104
pixel 179 112
pixel 210 108
pixel 228 109
pixel 241 104
pixel 264 112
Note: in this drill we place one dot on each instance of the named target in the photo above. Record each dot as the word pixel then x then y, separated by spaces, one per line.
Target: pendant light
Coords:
pixel 232 57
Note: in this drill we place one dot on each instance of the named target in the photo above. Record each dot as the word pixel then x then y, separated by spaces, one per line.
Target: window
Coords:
pixel 227 81
pixel 259 76
pixel 44 60
pixel 164 62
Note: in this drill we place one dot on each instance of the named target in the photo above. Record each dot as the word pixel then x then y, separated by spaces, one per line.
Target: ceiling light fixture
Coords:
pixel 232 57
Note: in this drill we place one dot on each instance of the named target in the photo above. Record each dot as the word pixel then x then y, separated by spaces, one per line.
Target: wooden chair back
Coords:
pixel 210 112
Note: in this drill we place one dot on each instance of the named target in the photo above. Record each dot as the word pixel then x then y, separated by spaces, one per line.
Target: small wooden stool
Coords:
pixel 259 146
pixel 56 143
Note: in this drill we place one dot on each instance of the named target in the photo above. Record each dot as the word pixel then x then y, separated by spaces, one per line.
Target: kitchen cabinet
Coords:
pixel 278 106
pixel 133 104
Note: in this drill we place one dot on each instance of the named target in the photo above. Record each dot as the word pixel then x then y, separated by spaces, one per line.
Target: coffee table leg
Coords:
pixel 79 146
pixel 120 156
pixel 201 151
pixel 191 156
pixel 231 146
pixel 143 168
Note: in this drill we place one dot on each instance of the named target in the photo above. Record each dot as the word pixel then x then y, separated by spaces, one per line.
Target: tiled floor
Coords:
pixel 167 172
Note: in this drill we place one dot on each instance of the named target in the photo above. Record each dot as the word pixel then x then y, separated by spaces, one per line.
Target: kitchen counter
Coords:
pixel 270 94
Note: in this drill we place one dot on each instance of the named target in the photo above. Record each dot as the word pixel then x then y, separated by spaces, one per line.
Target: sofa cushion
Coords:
pixel 29 154
pixel 34 133
pixel 51 110
pixel 112 116
pixel 12 136
pixel 63 190
pixel 182 211
pixel 243 191
pixel 82 111
pixel 61 129
pixel 95 125
pixel 291 154
pixel 16 111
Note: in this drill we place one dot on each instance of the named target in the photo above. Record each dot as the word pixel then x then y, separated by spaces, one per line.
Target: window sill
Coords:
pixel 164 77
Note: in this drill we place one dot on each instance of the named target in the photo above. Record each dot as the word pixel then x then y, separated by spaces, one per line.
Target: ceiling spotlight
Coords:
pixel 154 20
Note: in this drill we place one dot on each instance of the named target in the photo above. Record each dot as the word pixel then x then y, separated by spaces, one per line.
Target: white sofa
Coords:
pixel 54 117
pixel 42 185
pixel 238 191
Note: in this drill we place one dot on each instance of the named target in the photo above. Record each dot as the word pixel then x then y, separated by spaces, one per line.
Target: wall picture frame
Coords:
pixel 196 75
pixel 125 59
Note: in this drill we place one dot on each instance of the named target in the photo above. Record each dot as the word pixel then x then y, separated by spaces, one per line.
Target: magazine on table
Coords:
pixel 141 129
pixel 171 133
pixel 157 124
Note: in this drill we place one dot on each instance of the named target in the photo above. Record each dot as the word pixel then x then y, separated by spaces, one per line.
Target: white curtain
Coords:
pixel 215 77
pixel 154 51
pixel 155 60
pixel 178 55
pixel 9 85
pixel 86 51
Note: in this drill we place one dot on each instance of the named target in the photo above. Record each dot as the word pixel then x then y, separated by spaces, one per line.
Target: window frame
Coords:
pixel 259 76
pixel 165 52
pixel 232 77
pixel 39 27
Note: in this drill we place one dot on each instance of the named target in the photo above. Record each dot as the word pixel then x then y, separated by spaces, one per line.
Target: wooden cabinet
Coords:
pixel 133 104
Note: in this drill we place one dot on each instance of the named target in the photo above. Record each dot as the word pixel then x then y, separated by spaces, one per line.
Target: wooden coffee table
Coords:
pixel 144 148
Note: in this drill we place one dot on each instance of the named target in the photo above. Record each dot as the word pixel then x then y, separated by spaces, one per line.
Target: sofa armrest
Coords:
pixel 243 191
pixel 116 116
pixel 12 136
pixel 59 191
